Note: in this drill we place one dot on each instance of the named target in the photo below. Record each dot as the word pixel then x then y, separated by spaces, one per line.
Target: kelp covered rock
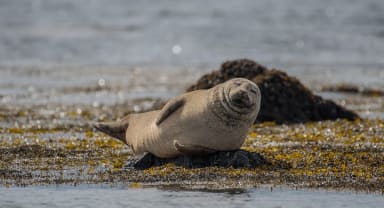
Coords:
pixel 284 98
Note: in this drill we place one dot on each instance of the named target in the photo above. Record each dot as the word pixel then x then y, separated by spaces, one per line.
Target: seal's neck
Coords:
pixel 221 108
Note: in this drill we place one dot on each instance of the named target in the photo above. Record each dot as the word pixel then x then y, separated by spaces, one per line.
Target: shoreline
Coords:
pixel 299 156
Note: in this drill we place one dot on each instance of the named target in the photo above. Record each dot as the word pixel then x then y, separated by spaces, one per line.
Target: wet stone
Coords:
pixel 9 173
pixel 234 159
pixel 284 98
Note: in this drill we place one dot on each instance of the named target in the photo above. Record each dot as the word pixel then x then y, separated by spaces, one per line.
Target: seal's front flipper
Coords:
pixel 114 129
pixel 190 149
pixel 169 108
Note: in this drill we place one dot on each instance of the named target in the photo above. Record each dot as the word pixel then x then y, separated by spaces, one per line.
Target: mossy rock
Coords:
pixel 284 98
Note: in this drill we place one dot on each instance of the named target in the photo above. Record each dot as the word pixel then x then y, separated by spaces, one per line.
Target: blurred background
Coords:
pixel 157 48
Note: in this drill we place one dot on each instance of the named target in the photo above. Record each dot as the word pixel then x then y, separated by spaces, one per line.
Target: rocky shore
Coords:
pixel 299 140
pixel 330 154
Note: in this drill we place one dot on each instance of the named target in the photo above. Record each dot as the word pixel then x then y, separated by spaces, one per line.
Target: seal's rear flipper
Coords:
pixel 190 149
pixel 114 129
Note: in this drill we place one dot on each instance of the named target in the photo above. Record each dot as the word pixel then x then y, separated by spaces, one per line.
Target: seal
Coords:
pixel 195 123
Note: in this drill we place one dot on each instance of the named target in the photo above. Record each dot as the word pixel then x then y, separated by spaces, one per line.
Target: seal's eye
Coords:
pixel 254 91
pixel 237 84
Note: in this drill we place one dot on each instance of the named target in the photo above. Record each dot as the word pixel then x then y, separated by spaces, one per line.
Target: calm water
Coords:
pixel 99 196
pixel 146 49
pixel 329 33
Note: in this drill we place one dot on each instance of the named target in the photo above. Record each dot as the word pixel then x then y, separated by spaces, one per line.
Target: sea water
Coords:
pixel 121 196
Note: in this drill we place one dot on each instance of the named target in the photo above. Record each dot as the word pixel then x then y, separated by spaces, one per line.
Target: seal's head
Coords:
pixel 242 95
pixel 237 100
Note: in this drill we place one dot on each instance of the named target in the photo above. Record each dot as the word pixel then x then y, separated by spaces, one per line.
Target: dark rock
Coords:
pixel 284 98
pixel 235 159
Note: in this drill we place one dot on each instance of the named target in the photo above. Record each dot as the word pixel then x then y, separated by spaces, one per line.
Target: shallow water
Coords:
pixel 122 196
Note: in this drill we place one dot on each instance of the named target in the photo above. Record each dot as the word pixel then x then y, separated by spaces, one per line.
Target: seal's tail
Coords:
pixel 115 129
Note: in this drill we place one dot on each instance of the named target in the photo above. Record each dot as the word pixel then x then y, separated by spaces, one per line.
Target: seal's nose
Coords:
pixel 243 93
pixel 241 98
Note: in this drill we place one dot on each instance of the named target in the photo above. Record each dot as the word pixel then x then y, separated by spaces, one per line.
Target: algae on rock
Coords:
pixel 283 98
